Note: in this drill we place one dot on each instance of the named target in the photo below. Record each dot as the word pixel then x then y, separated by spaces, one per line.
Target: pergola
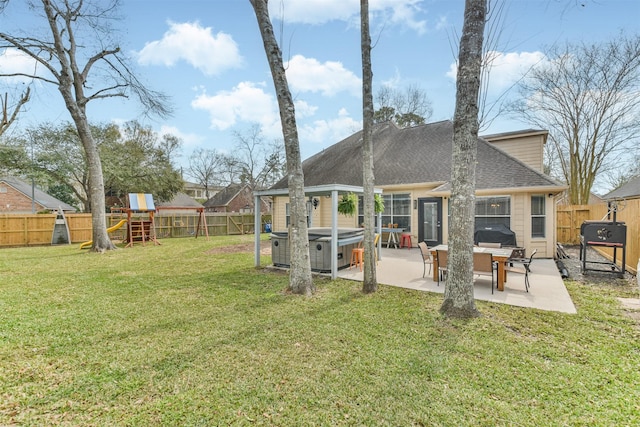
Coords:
pixel 332 190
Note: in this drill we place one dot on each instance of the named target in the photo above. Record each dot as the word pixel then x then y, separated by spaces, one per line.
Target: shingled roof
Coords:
pixel 40 197
pixel 416 155
pixel 630 190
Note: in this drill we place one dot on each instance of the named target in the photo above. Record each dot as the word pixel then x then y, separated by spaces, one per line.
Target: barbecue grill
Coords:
pixel 605 234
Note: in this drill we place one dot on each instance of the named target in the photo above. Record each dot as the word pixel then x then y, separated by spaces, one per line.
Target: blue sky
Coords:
pixel 208 56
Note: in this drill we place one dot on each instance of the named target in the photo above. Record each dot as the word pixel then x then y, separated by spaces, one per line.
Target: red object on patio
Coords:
pixel 405 239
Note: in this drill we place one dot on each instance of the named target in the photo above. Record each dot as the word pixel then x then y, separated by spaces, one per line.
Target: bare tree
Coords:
pixel 458 294
pixel 369 283
pixel 300 279
pixel 205 166
pixel 259 164
pixel 10 112
pixel 586 95
pixel 408 107
pixel 68 22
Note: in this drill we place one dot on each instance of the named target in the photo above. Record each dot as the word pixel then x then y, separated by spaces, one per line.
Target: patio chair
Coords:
pixel 483 264
pixel 526 263
pixel 441 256
pixel 426 257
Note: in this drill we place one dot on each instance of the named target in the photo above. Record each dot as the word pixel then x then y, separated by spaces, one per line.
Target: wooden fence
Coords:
pixel 37 229
pixel 569 219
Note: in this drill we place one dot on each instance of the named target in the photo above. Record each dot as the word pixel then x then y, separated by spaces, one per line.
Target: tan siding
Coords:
pixel 528 150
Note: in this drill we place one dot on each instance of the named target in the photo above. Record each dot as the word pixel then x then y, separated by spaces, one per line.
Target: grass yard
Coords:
pixel 187 334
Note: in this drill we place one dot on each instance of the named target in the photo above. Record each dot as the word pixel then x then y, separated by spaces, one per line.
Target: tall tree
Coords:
pixel 408 107
pixel 134 159
pixel 369 283
pixel 586 95
pixel 71 26
pixel 205 167
pixel 260 164
pixel 458 294
pixel 300 279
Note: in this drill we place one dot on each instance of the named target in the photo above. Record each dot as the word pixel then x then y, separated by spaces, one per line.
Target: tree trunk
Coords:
pixel 300 279
pixel 369 283
pixel 458 295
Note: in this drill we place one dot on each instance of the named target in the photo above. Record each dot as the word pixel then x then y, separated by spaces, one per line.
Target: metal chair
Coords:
pixel 426 257
pixel 441 256
pixel 483 264
pixel 526 263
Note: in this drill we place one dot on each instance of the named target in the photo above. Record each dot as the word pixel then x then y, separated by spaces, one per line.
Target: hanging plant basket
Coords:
pixel 348 204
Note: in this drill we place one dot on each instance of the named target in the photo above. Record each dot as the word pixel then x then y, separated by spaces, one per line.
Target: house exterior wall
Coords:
pixel 520 218
pixel 529 149
pixel 13 201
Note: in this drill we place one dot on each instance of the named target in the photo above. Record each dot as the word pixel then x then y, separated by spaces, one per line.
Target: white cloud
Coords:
pixel 245 102
pixel 14 61
pixel 506 68
pixel 329 78
pixel 210 53
pixel 328 132
pixel 400 12
pixel 189 139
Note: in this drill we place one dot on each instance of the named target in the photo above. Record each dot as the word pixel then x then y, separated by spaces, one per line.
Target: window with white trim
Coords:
pixel 538 217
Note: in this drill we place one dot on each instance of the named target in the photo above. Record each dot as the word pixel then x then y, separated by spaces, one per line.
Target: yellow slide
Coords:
pixel 109 230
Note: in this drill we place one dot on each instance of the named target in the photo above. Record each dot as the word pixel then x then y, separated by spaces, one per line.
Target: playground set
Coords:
pixel 140 220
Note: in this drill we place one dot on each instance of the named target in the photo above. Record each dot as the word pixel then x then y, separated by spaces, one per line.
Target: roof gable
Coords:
pixel 224 196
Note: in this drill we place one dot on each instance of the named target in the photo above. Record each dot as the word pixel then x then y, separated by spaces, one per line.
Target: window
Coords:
pixel 493 211
pixel 397 210
pixel 538 218
pixel 287 215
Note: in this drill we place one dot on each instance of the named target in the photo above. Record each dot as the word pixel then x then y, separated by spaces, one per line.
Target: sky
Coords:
pixel 207 55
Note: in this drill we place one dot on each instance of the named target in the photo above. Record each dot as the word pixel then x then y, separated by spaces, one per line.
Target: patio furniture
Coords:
pixel 526 263
pixel 500 257
pixel 440 265
pixel 427 259
pixel 483 264
pixel 392 234
pixel 405 240
pixel 357 254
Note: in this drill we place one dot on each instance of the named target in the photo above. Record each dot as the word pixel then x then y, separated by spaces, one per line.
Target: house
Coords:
pixel 235 198
pixel 180 204
pixel 629 190
pixel 198 191
pixel 413 168
pixel 20 197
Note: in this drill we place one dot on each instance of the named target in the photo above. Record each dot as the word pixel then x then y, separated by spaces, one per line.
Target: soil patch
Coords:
pixel 265 248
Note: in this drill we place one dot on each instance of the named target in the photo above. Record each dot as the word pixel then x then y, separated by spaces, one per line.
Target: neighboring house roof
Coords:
pixel 39 196
pixel 416 155
pixel 224 196
pixel 180 200
pixel 629 190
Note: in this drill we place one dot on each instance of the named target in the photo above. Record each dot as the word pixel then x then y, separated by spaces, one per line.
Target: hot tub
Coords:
pixel 319 247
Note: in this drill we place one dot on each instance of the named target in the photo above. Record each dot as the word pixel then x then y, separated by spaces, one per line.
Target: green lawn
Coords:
pixel 180 334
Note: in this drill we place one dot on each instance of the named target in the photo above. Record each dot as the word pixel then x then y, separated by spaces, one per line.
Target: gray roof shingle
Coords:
pixel 629 190
pixel 40 197
pixel 419 154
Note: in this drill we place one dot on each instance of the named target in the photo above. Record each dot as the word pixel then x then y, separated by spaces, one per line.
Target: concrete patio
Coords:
pixel 403 268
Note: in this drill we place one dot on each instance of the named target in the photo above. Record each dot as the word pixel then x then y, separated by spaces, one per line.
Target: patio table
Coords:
pixel 500 255
pixel 392 239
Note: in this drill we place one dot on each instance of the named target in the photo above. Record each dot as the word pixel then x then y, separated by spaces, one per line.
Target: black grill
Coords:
pixel 609 234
